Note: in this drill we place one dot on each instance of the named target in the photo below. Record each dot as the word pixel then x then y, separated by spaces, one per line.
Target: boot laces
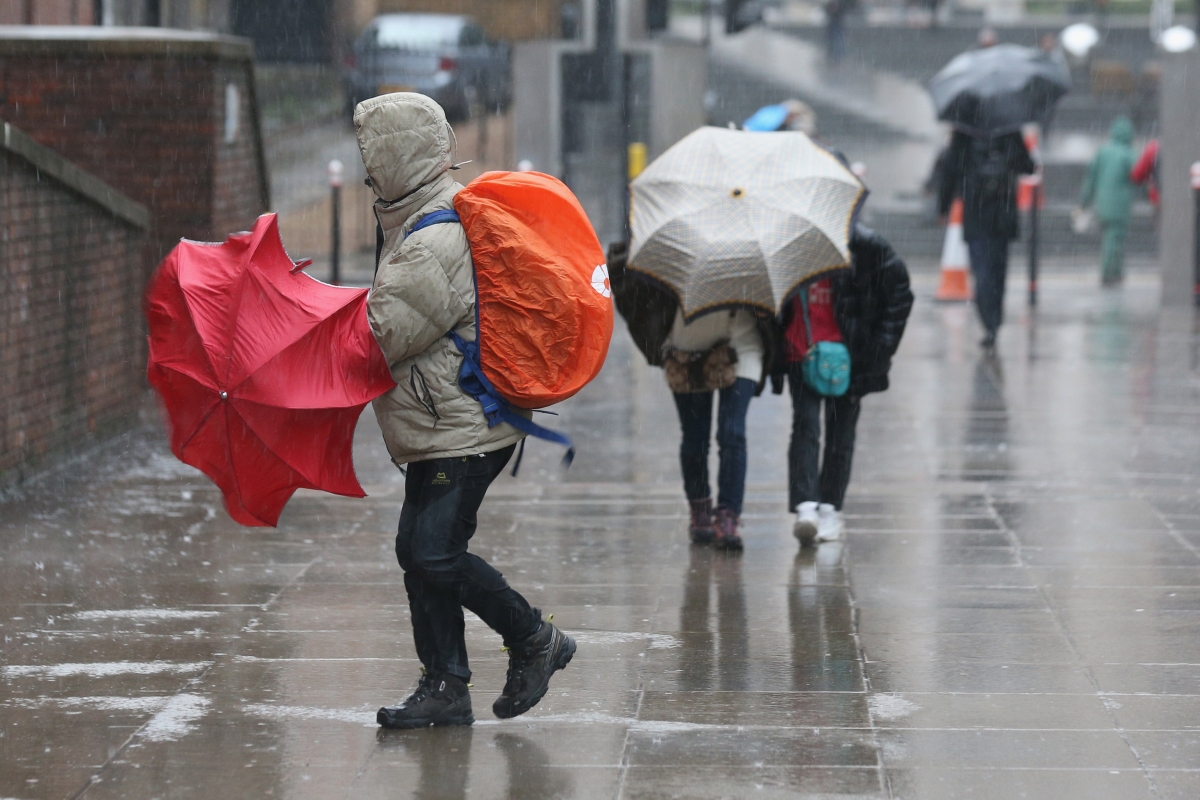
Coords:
pixel 425 688
pixel 520 657
pixel 517 659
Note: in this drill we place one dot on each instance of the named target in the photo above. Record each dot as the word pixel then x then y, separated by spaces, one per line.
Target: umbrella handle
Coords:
pixel 299 265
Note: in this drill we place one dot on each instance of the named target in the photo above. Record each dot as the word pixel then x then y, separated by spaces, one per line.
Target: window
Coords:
pixel 416 31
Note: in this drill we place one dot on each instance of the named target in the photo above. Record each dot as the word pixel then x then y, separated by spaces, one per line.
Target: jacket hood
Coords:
pixel 1121 131
pixel 405 142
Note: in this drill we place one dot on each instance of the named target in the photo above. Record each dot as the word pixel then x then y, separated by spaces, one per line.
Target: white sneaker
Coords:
pixel 829 523
pixel 807 523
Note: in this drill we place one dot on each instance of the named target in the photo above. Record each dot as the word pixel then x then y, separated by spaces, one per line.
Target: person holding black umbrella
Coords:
pixel 983 170
pixel 988 95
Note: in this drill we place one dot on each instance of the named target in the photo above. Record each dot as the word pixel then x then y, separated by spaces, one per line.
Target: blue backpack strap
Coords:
pixel 434 218
pixel 495 408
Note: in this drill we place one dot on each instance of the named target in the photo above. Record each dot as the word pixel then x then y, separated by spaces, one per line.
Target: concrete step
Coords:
pixel 919 53
pixel 735 94
pixel 915 236
pixel 1063 181
pixel 1086 113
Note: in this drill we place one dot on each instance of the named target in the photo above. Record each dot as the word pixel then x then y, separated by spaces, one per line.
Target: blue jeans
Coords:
pixel 989 267
pixel 695 418
pixel 835 39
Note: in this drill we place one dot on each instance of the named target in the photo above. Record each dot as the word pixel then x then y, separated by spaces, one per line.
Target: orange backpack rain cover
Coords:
pixel 545 306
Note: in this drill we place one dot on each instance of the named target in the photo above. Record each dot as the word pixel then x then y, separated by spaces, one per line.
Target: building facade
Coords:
pixel 207 15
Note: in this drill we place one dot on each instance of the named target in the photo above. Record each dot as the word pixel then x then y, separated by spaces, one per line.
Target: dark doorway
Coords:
pixel 658 15
pixel 284 30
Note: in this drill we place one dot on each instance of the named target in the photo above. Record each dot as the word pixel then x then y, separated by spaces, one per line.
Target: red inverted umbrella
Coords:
pixel 263 370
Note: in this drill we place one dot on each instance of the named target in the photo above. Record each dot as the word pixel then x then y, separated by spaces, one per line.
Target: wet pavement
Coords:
pixel 1013 614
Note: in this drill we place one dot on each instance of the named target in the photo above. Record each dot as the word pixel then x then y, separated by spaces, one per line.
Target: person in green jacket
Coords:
pixel 1109 191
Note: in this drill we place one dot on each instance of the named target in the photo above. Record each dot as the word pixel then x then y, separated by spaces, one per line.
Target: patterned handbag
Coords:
pixel 700 371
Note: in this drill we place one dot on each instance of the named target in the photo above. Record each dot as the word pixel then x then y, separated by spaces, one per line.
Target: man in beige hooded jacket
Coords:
pixel 424 289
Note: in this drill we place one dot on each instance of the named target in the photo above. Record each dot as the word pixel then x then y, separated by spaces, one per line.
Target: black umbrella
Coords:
pixel 999 89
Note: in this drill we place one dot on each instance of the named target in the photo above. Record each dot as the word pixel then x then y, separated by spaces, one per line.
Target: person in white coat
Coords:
pixel 740 330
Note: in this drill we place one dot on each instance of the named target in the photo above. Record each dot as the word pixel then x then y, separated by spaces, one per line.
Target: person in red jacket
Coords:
pixel 866 308
pixel 1145 171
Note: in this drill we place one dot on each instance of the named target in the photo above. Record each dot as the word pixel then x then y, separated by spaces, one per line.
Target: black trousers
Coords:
pixel 441 500
pixel 989 267
pixel 807 479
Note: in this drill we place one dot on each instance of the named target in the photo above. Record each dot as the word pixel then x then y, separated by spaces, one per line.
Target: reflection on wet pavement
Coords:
pixel 1014 612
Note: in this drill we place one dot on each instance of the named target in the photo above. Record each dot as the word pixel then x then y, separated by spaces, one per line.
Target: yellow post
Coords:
pixel 636 159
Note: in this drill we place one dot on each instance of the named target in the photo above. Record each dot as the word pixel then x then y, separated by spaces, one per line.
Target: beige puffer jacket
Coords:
pixel 425 285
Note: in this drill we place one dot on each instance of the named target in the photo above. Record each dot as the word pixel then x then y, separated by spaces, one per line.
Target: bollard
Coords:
pixel 1034 236
pixel 635 159
pixel 1196 233
pixel 336 174
pixel 1029 197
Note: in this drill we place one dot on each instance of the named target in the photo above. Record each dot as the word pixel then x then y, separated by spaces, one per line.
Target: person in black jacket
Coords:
pixel 866 308
pixel 983 170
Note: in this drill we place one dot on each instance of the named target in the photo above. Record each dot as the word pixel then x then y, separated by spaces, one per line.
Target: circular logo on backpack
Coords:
pixel 600 281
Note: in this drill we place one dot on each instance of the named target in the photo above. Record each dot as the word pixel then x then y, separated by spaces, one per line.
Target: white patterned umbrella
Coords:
pixel 731 218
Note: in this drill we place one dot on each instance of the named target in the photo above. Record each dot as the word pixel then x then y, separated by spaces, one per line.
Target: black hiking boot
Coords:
pixel 530 665
pixel 435 701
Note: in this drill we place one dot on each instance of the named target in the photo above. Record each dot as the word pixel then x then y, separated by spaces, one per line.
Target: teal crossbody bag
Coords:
pixel 826 365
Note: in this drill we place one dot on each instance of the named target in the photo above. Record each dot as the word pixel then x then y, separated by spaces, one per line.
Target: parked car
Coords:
pixel 444 56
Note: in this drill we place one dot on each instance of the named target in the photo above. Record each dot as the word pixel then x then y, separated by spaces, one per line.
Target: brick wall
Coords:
pixel 148 117
pixel 72 344
pixel 143 125
pixel 139 121
pixel 236 201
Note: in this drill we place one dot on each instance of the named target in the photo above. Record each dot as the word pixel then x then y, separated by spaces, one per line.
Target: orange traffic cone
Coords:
pixel 955 259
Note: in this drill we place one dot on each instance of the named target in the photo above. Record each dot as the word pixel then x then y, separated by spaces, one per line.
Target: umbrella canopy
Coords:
pixel 263 371
pixel 731 218
pixel 999 89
